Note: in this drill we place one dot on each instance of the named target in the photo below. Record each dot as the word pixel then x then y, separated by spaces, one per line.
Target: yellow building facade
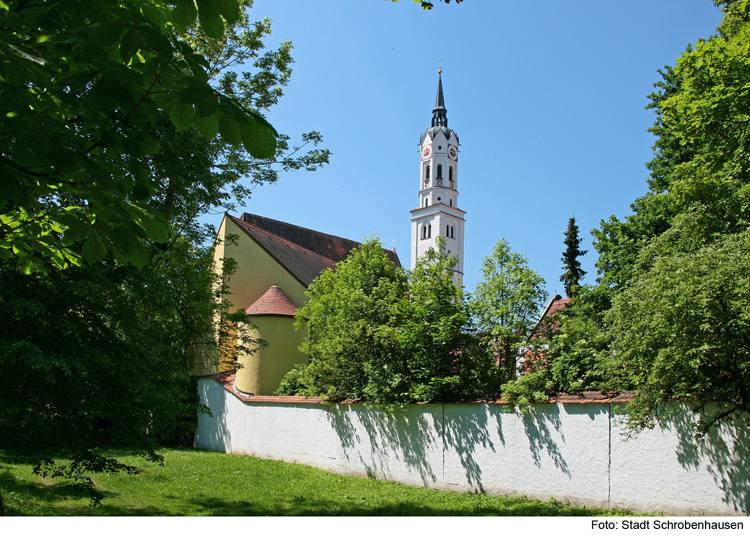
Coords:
pixel 273 263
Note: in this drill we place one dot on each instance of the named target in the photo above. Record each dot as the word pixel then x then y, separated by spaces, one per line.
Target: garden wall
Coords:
pixel 570 450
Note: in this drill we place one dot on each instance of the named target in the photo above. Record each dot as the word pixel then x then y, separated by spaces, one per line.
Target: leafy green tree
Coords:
pixel 506 305
pixel 81 83
pixel 123 338
pixel 345 308
pixel 569 352
pixel 681 331
pixel 618 242
pixel 572 271
pixel 100 356
pixel 676 320
pixel 440 359
pixel 387 337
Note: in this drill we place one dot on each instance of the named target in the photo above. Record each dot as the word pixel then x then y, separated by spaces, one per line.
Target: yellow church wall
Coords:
pixel 260 373
pixel 256 270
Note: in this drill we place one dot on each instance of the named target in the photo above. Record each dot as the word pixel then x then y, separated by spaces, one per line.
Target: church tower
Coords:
pixel 438 212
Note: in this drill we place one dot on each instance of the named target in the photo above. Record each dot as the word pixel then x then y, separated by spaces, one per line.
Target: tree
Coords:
pixel 681 332
pixel 81 83
pixel 572 271
pixel 111 345
pixel 345 308
pixel 677 320
pixel 440 359
pixel 387 337
pixel 506 304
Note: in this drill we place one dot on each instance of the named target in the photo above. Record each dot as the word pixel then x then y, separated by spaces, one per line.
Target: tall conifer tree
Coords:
pixel 572 271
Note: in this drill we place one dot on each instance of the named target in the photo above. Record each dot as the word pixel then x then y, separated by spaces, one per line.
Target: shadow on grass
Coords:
pixel 300 506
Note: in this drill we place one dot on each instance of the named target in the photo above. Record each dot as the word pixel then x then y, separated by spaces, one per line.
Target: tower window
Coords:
pixel 440 172
pixel 450 174
pixel 451 201
pixel 426 230
pixel 425 202
pixel 427 172
pixel 429 231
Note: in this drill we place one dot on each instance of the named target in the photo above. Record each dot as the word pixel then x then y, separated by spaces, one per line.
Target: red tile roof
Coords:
pixel 274 302
pixel 549 327
pixel 557 304
pixel 227 382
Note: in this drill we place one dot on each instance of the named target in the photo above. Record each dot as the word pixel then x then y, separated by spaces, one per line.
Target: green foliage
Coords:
pixel 506 305
pixel 572 271
pixel 345 308
pixel 387 337
pixel 82 82
pixel 102 353
pixel 570 352
pixel 681 332
pixel 679 324
pixel 534 386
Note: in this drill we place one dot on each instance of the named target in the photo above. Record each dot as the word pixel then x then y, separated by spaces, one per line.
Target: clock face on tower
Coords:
pixel 426 151
pixel 453 153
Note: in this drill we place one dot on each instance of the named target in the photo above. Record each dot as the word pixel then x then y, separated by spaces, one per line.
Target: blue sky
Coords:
pixel 547 98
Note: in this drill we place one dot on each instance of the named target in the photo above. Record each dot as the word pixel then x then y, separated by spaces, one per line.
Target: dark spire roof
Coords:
pixel 440 114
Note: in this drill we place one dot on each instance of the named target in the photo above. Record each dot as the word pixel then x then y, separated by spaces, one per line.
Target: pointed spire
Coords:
pixel 439 114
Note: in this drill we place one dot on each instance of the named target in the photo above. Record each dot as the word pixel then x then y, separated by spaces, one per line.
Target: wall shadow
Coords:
pixel 725 451
pixel 466 428
pixel 408 433
pixel 214 436
pixel 537 425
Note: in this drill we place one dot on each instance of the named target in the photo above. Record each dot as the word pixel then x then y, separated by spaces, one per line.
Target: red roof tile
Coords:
pixel 274 302
pixel 227 381
pixel 557 304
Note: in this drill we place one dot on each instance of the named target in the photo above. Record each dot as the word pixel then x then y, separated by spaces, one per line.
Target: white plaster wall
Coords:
pixel 561 451
pixel 572 451
pixel 665 467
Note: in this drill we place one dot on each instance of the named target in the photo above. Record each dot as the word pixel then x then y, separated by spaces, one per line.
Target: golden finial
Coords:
pixel 440 68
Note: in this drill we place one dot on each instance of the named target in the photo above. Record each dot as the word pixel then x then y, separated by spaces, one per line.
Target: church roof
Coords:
pixel 303 252
pixel 439 100
pixel 273 303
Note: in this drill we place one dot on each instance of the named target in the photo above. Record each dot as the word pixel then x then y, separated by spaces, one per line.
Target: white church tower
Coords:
pixel 438 212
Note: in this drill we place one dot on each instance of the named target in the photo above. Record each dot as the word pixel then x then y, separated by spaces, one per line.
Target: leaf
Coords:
pixel 137 254
pixel 231 131
pixel 208 126
pixel 130 44
pixel 259 140
pixel 155 229
pixel 230 9
pixel 93 249
pixel 182 116
pixel 184 15
pixel 210 18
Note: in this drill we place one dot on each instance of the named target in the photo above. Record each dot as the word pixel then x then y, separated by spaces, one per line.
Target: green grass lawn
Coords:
pixel 196 482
